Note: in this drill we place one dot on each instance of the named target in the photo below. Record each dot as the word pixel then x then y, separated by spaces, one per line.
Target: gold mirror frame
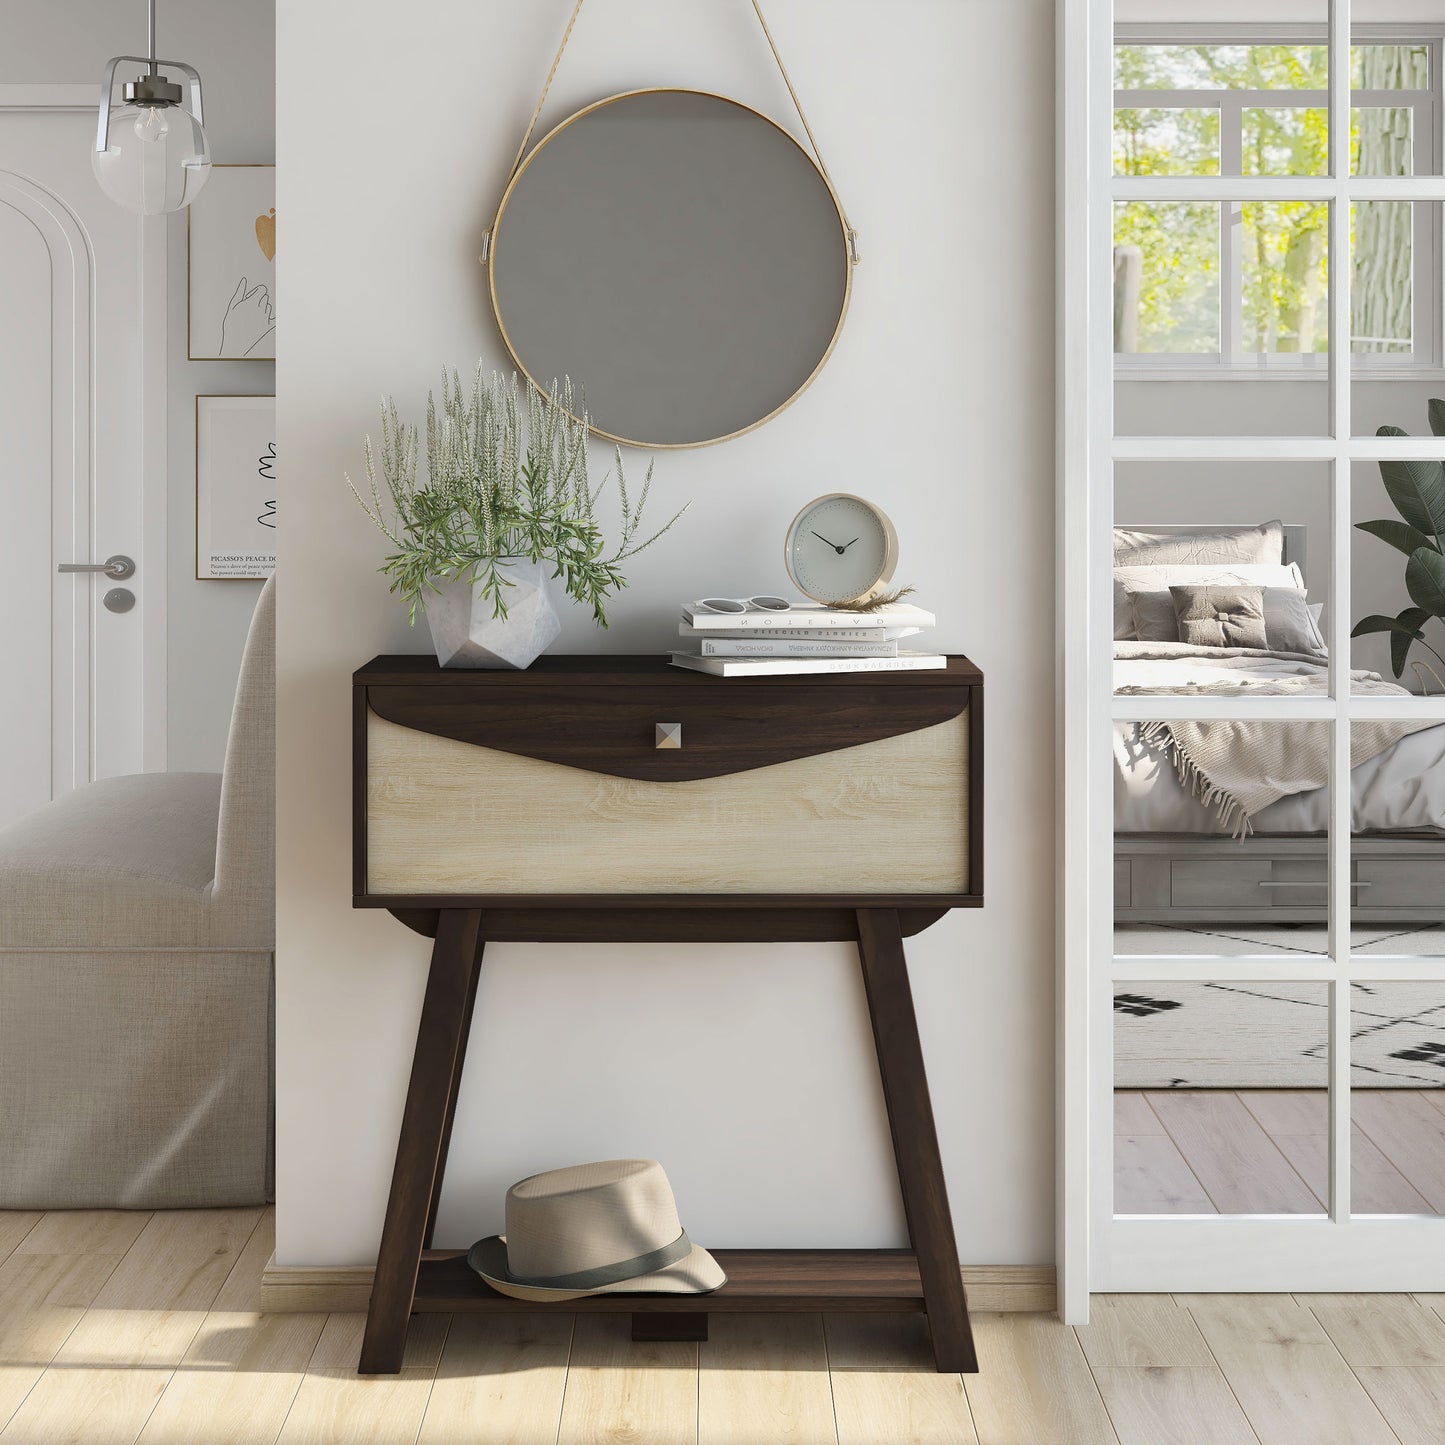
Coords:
pixel 845 233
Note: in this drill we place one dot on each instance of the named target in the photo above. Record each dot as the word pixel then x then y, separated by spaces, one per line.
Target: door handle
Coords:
pixel 119 566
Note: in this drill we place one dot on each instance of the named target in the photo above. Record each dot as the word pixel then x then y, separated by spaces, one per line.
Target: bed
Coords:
pixel 1213 829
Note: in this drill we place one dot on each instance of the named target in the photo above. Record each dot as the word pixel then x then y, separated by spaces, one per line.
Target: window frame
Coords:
pixel 1230 363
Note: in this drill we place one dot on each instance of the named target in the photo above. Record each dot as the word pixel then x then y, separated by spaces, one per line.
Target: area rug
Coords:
pixel 1202 1035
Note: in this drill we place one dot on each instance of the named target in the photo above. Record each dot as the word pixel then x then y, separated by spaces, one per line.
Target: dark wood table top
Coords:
pixel 412 669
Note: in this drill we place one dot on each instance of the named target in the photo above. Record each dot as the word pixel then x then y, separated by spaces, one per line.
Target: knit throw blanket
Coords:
pixel 1240 768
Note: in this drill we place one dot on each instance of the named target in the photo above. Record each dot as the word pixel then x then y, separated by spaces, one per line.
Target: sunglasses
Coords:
pixel 745 604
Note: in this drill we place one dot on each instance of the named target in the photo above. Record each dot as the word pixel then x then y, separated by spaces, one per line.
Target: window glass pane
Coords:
pixel 1388 586
pixel 1284 265
pixel 1166 277
pixel 1382 141
pixel 1285 141
pixel 1173 141
pixel 1207 1076
pixel 1221 67
pixel 1397 1097
pixel 1397 804
pixel 1395 317
pixel 1390 67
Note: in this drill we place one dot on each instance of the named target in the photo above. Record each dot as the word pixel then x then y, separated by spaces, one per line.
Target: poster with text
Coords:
pixel 235 486
pixel 232 249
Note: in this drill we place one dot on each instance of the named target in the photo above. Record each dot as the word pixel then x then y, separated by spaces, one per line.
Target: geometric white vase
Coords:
pixel 465 634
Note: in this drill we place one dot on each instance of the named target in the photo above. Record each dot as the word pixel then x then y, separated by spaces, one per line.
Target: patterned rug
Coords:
pixel 1273 1035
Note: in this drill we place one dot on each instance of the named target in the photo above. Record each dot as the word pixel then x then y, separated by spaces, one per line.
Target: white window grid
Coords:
pixel 1341 1250
pixel 1428 147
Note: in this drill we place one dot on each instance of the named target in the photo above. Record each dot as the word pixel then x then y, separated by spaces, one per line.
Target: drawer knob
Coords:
pixel 669 735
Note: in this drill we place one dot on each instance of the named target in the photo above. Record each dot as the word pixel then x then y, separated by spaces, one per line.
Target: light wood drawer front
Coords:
pixel 445 816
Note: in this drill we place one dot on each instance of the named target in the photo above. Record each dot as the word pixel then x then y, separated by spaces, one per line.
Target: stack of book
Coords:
pixel 805 639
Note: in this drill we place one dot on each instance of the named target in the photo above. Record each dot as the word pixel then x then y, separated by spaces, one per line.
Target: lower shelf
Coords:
pixel 759 1280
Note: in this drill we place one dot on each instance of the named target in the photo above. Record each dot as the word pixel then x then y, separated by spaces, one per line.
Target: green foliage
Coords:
pixel 1417 488
pixel 506 480
pixel 1282 245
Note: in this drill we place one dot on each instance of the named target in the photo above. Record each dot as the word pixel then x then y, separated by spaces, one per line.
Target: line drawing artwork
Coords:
pixel 248 319
pixel 237 486
pixel 231 252
pixel 264 469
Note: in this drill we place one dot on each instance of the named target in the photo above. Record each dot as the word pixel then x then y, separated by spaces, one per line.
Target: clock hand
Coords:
pixel 839 550
pixel 846 545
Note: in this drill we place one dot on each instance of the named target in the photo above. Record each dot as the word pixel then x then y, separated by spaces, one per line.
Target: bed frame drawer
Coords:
pixel 508 786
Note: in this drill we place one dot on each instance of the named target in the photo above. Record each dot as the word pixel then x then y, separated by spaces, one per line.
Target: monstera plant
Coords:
pixel 1417 488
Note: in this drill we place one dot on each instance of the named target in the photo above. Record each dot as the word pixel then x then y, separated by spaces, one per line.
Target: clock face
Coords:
pixel 839 548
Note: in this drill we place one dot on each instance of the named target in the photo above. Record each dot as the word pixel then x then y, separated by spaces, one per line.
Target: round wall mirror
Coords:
pixel 680 257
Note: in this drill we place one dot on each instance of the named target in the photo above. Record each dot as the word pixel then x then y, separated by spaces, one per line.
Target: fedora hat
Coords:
pixel 606 1228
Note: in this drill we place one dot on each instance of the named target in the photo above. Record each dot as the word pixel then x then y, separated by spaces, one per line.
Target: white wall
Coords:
pixel 748 1071
pixel 232 44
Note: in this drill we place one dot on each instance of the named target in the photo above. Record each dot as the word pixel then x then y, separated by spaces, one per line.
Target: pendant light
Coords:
pixel 151 154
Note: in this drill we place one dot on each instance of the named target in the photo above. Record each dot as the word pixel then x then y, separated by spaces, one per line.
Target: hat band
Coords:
pixel 640 1264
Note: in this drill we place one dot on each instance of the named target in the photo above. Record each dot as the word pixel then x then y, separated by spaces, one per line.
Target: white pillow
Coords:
pixel 1216 547
pixel 1160 579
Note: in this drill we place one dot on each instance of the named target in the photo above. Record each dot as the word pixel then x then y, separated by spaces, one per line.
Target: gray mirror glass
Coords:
pixel 677 255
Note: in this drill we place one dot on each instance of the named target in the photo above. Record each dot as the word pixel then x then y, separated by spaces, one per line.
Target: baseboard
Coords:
pixel 308 1289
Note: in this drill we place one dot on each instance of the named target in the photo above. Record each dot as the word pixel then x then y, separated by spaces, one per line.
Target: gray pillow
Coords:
pixel 1291 623
pixel 1222 545
pixel 1220 616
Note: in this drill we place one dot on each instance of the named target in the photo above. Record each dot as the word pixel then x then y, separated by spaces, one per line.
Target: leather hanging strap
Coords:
pixel 782 70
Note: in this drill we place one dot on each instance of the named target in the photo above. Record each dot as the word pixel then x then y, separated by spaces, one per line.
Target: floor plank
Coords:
pixel 1286 1374
pixel 866 1341
pixel 1231 1155
pixel 237 1382
pixel 764 1377
pixel 1033 1384
pixel 86 1407
pixel 107 1376
pixel 1412 1400
pixel 336 1406
pixel 1181 1404
pixel 1289 1111
pixel 151 1307
pixel 1382 1330
pixel 44 1295
pixel 1410 1132
pixel 1152 1177
pixel 618 1391
pixel 242 1371
pixel 1376 1186
pixel 15 1224
pixel 1141 1330
pixel 1132 1114
pixel 895 1407
pixel 507 1372
pixel 106 1232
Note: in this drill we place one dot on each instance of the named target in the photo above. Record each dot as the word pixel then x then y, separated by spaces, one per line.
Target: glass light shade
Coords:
pixel 156 158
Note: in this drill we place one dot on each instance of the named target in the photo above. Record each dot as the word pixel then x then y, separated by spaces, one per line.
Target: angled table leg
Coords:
pixel 425 1129
pixel 915 1140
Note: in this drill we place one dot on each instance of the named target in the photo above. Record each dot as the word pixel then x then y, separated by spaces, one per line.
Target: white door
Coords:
pixel 1253 1068
pixel 74 361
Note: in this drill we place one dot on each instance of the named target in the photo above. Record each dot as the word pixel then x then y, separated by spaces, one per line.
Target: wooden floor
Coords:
pixel 118 1328
pixel 1266 1151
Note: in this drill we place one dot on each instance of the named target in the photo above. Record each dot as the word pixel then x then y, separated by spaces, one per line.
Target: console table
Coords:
pixel 607 799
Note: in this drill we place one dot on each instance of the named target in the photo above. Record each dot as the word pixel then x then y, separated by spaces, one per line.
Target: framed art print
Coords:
pixel 231 243
pixel 235 486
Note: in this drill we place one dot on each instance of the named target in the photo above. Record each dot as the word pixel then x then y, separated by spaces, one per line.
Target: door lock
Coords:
pixel 118 567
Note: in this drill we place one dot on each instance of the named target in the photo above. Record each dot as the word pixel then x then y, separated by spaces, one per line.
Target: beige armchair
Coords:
pixel 137 928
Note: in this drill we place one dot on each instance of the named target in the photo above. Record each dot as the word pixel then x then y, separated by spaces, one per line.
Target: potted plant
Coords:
pixel 507 512
pixel 1417 488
